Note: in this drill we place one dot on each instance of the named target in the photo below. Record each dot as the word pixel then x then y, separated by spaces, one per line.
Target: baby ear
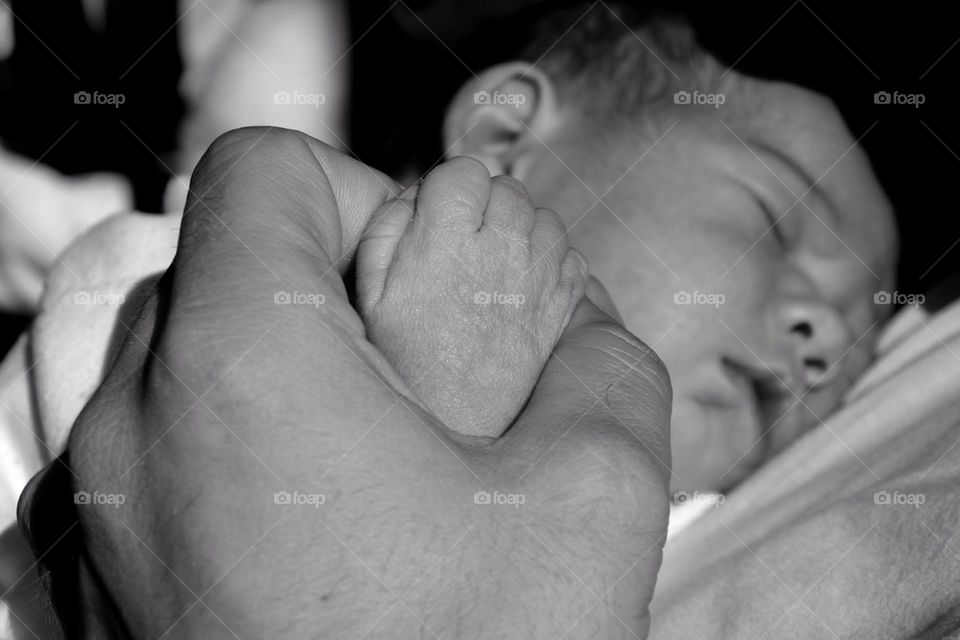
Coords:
pixel 494 116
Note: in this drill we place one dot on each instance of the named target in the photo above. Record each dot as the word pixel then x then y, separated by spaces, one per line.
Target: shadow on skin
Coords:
pixel 127 314
pixel 48 519
pixel 21 588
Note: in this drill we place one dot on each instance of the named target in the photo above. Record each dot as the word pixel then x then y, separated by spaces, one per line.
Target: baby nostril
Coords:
pixel 803 329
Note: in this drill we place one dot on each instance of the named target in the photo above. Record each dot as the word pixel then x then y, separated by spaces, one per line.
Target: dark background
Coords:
pixel 847 51
pixel 409 58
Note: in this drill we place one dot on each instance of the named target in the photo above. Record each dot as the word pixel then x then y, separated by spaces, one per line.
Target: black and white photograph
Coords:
pixel 479 320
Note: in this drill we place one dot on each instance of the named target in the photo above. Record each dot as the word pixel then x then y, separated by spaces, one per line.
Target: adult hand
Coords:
pixel 257 469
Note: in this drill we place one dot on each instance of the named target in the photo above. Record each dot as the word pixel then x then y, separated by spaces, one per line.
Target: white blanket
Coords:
pixel 854 531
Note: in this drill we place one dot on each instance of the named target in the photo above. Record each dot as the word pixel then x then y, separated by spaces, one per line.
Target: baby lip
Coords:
pixel 771 389
pixel 769 380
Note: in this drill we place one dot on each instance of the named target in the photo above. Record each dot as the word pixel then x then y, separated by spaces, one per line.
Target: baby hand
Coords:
pixel 466 289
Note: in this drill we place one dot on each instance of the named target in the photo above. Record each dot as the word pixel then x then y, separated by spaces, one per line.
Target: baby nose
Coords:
pixel 818 336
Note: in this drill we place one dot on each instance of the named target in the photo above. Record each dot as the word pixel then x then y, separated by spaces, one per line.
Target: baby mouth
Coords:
pixel 769 391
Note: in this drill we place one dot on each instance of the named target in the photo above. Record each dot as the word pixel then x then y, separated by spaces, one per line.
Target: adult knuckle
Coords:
pixel 618 479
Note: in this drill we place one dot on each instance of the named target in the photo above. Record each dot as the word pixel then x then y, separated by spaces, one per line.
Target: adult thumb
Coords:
pixel 601 382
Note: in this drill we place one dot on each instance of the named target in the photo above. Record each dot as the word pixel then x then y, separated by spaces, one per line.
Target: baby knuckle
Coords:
pixel 467 164
pixel 520 196
pixel 462 180
pixel 460 203
pixel 549 234
pixel 516 208
pixel 550 221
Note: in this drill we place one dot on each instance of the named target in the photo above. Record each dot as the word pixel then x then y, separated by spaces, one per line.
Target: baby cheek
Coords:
pixel 746 273
pixel 736 264
pixel 755 291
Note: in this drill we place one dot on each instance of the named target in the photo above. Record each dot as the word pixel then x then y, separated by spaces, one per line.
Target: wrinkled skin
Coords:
pixel 468 301
pixel 220 399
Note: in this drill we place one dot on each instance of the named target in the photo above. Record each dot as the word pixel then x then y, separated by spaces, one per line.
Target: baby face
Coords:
pixel 745 249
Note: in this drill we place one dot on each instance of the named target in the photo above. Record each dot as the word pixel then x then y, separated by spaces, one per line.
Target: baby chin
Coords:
pixel 716 442
pixel 720 437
